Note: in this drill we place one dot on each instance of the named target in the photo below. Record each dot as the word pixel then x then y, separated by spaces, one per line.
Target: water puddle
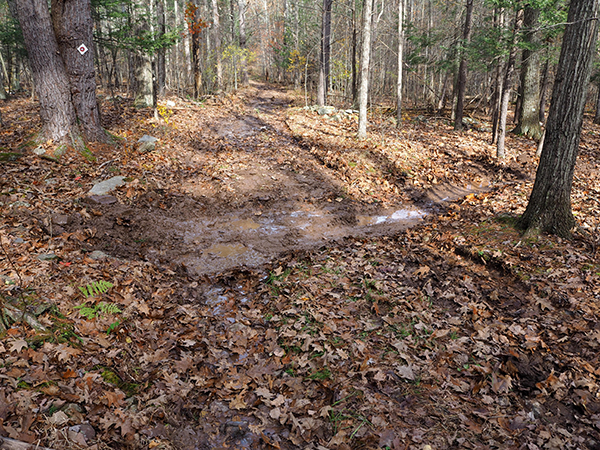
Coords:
pixel 244 224
pixel 227 250
pixel 255 241
pixel 396 216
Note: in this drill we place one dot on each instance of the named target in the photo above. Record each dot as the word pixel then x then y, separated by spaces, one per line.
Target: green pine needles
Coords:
pixel 95 288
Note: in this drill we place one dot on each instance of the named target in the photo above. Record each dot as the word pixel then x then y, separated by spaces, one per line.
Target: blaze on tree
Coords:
pixel 59 79
pixel 549 207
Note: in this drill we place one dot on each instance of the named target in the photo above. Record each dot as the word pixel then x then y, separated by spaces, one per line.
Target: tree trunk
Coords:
pixel 354 51
pixel 242 13
pixel 161 70
pixel 506 88
pixel 325 53
pixel 73 25
pixel 498 79
pixel 363 92
pixel 462 70
pixel 528 115
pixel 400 62
pixel 48 69
pixel 549 207
pixel 219 56
pixel 142 65
pixel 544 89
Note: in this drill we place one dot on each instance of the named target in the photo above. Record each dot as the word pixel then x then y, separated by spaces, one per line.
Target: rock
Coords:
pixel 323 110
pixel 98 255
pixel 147 143
pixel 47 257
pixel 19 204
pixel 60 219
pixel 104 187
pixel 100 199
pixel 39 151
pixel 170 103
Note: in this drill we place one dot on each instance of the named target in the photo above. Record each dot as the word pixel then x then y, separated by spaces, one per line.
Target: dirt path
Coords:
pixel 268 195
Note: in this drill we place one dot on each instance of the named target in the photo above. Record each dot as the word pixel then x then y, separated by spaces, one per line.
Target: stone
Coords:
pixel 47 257
pixel 323 110
pixel 98 255
pixel 104 187
pixel 147 143
pixel 60 219
pixel 100 199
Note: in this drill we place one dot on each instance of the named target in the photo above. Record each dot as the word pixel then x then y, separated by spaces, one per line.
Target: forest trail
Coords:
pixel 262 289
pixel 270 194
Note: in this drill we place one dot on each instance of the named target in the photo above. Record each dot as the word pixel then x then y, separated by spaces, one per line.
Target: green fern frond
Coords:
pixel 108 308
pixel 87 311
pixel 95 288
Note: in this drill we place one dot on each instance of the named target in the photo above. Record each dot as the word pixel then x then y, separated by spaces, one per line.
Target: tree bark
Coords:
pixel 543 90
pixel 48 69
pixel 161 69
pixel 363 92
pixel 528 115
pixel 219 56
pixel 142 66
pixel 73 28
pixel 549 207
pixel 243 43
pixel 400 62
pixel 506 87
pixel 462 70
pixel 325 53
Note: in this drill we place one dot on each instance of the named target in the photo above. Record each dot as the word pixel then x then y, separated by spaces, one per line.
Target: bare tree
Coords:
pixel 363 91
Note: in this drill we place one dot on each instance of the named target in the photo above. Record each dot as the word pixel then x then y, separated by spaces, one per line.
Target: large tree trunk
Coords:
pixel 528 115
pixel 73 25
pixel 363 92
pixel 506 88
pixel 48 69
pixel 325 52
pixel 549 207
pixel 400 62
pixel 462 70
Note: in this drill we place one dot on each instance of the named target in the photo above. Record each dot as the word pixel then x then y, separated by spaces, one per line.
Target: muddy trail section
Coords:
pixel 254 181
pixel 263 280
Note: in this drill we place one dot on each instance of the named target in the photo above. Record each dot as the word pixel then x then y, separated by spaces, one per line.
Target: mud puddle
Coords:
pixel 229 242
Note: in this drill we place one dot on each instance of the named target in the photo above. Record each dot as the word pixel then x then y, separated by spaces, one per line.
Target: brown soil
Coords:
pixel 249 189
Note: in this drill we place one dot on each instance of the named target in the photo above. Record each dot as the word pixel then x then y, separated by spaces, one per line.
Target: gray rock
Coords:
pixel 147 143
pixel 60 219
pixel 98 255
pixel 47 257
pixel 100 199
pixel 104 187
pixel 323 110
pixel 19 204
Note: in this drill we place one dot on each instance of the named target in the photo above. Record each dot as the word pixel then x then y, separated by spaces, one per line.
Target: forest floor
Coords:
pixel 275 283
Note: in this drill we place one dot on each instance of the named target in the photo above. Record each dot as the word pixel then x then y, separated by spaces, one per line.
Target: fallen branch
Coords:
pixel 12 444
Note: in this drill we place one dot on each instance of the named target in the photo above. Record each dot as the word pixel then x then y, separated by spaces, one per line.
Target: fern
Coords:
pixel 95 288
pixel 108 308
pixel 91 312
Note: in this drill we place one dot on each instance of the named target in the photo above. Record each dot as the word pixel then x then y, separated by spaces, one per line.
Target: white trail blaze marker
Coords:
pixel 82 49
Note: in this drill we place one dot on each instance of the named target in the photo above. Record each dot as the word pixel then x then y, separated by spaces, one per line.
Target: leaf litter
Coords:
pixel 455 333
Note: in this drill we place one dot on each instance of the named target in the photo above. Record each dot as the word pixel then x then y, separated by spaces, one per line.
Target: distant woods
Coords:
pixel 464 57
